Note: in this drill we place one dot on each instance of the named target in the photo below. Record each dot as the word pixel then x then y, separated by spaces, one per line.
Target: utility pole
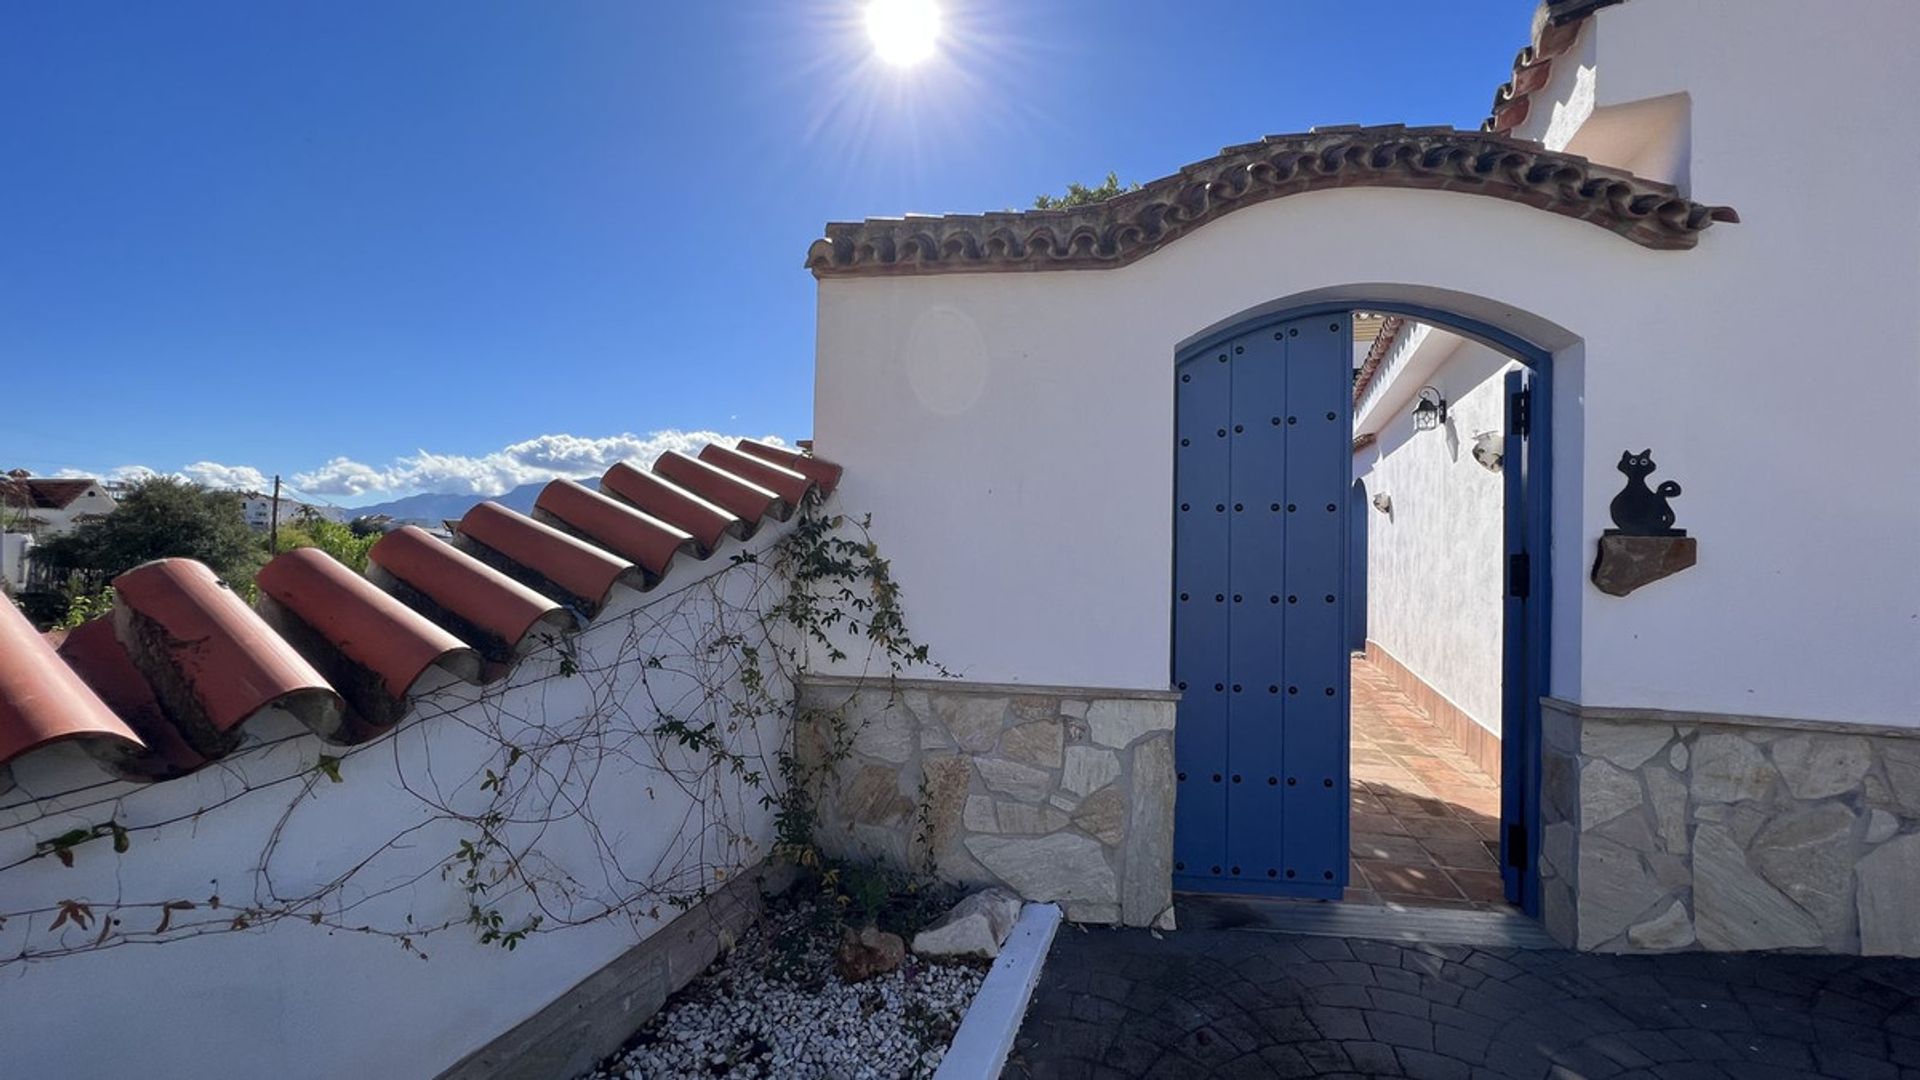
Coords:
pixel 273 519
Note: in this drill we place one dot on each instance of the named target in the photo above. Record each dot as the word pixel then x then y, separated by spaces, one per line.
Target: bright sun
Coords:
pixel 903 31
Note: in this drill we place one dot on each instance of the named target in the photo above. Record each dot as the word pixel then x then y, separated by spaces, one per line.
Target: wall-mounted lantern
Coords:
pixel 1383 502
pixel 1431 412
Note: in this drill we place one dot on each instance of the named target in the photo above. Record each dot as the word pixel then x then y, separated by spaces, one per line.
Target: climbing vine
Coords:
pixel 622 773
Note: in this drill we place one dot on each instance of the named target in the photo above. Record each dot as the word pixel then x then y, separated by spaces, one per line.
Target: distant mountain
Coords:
pixel 436 507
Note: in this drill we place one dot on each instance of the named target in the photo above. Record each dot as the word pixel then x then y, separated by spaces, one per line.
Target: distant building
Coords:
pixel 258 508
pixel 35 509
pixel 45 507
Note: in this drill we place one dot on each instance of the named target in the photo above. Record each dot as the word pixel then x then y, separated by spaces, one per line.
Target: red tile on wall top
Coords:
pixel 620 528
pixel 583 573
pixel 212 661
pixel 824 474
pixel 708 523
pixel 42 700
pixel 744 499
pixel 365 625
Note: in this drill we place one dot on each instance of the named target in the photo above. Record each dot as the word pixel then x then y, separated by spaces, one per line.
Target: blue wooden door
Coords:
pixel 1262 462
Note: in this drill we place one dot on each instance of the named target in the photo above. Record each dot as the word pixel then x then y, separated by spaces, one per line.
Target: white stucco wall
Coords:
pixel 1434 566
pixel 1011 432
pixel 300 1002
pixel 15 553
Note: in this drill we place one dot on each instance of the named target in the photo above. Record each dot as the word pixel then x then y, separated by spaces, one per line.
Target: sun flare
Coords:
pixel 903 32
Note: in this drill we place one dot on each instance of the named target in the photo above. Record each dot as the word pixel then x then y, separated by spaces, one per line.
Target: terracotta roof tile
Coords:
pixel 543 558
pixel 484 607
pixel 42 494
pixel 630 533
pixel 42 701
pixel 791 486
pixel 166 684
pixel 824 474
pixel 371 647
pixel 1117 231
pixel 707 522
pixel 1556 26
pixel 1383 342
pixel 102 663
pixel 211 660
pixel 742 498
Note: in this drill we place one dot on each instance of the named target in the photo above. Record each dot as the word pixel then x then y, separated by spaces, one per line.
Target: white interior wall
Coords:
pixel 296 1001
pixel 1011 432
pixel 1434 565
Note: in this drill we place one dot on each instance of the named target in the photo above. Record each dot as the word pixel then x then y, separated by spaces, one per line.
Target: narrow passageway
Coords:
pixel 1426 818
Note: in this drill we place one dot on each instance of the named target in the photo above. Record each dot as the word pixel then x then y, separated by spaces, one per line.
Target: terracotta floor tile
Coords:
pixel 1444 828
pixel 1426 819
pixel 1396 879
pixel 1383 847
pixel 1377 824
pixel 1460 854
pixel 1482 885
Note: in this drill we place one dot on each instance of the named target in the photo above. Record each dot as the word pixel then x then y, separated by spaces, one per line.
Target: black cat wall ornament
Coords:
pixel 1640 510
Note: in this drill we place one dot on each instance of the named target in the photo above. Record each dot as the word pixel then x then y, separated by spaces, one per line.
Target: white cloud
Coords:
pixel 541 458
pixel 215 475
pixel 536 459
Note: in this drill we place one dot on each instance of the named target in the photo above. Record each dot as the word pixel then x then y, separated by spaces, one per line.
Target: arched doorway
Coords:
pixel 1268 527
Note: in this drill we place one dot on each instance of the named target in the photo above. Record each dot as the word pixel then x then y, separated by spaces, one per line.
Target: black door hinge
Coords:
pixel 1519 575
pixel 1517 846
pixel 1520 413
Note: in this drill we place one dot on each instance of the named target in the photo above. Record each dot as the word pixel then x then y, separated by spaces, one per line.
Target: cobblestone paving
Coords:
pixel 1225 1003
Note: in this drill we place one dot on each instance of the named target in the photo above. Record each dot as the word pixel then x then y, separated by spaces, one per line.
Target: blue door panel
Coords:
pixel 1260 577
pixel 1315 658
pixel 1254 805
pixel 1201 554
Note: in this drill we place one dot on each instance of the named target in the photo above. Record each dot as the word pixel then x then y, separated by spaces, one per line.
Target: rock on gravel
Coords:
pixel 977 926
pixel 868 953
pixel 775 1007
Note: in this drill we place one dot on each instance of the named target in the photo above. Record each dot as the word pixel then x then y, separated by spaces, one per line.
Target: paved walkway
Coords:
pixel 1426 819
pixel 1236 1003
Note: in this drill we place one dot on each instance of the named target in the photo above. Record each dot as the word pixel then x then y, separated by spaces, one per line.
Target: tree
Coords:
pixel 159 518
pixel 1080 194
pixel 340 541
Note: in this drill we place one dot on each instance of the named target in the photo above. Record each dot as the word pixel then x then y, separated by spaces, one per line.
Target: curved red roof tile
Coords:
pixel 484 607
pixel 744 499
pixel 42 700
pixel 791 486
pixel 211 660
pixel 370 646
pixel 824 474
pixel 544 558
pixel 619 528
pixel 706 522
pixel 96 655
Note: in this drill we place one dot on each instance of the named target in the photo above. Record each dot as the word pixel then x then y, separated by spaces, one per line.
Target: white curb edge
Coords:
pixel 979 1049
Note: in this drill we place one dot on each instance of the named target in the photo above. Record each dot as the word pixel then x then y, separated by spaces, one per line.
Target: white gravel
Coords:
pixel 775 1008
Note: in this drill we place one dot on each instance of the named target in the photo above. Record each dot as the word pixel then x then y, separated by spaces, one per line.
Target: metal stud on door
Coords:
pixel 1260 542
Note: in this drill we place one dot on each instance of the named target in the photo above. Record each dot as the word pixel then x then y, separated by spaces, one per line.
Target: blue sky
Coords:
pixel 268 236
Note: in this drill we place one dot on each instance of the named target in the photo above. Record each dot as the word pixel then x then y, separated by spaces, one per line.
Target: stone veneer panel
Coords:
pixel 1665 831
pixel 1058 793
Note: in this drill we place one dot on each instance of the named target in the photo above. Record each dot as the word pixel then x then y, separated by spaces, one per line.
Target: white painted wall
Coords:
pixel 1434 584
pixel 1011 432
pixel 15 552
pixel 296 1001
